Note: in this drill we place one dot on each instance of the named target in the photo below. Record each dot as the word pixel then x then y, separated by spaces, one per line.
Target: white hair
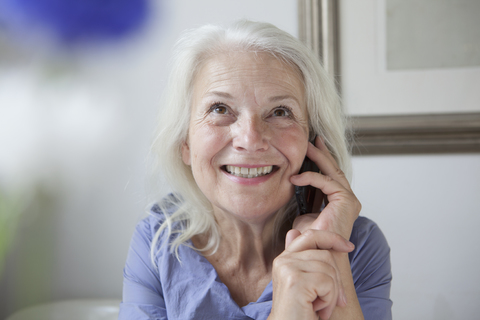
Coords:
pixel 189 213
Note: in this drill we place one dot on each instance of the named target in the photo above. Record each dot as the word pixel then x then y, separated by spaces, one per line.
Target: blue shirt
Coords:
pixel 191 289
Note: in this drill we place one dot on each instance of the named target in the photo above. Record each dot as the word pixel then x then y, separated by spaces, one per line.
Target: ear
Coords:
pixel 186 153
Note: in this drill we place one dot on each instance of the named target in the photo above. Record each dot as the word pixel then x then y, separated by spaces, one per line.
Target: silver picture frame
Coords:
pixel 381 134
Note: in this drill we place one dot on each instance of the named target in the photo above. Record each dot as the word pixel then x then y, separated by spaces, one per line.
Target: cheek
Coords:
pixel 294 139
pixel 294 144
pixel 206 143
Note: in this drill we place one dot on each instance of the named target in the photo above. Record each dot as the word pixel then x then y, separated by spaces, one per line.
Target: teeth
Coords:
pixel 249 172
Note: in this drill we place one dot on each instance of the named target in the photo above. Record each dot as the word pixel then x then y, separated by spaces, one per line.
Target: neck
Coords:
pixel 246 245
pixel 245 255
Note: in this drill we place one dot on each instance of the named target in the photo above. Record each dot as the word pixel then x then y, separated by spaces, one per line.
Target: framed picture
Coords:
pixel 409 80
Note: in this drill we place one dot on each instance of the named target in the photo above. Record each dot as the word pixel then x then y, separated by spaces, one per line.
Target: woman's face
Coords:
pixel 248 133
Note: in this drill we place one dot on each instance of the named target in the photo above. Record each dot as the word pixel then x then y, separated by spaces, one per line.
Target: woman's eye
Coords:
pixel 219 109
pixel 281 112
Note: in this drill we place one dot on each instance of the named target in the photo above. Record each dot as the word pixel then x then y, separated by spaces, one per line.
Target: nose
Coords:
pixel 250 134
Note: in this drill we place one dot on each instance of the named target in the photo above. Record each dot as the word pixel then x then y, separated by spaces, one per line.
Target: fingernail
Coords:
pixel 344 297
pixel 350 245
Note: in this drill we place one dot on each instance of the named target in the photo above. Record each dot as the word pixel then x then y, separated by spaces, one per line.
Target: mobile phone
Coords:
pixel 309 199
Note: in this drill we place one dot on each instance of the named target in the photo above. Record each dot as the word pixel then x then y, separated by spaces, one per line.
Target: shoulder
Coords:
pixel 367 236
pixel 139 266
pixel 371 246
pixel 145 232
pixel 149 233
pixel 148 227
pixel 152 222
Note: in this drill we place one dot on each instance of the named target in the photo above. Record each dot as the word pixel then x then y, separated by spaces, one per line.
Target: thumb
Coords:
pixel 291 235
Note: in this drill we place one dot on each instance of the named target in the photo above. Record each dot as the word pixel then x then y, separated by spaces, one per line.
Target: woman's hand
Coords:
pixel 306 279
pixel 338 217
pixel 343 206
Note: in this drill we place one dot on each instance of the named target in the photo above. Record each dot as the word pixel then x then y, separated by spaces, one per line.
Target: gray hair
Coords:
pixel 190 209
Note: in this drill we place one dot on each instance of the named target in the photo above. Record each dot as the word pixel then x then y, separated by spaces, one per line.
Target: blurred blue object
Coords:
pixel 75 21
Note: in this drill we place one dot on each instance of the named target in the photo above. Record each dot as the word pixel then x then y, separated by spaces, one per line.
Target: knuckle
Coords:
pixel 282 265
pixel 291 278
pixel 309 233
pixel 287 274
pixel 278 262
pixel 328 178
pixel 339 172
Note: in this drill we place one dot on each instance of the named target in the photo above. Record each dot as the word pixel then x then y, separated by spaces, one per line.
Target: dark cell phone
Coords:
pixel 308 198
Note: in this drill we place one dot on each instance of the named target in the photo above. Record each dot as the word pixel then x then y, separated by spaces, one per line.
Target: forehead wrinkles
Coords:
pixel 242 71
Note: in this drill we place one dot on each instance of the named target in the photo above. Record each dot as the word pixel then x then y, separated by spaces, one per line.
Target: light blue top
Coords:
pixel 192 289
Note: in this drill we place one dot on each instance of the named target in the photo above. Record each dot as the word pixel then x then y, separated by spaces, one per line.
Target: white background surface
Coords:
pixel 427 206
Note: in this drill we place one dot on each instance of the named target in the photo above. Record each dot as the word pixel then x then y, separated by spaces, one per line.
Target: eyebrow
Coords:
pixel 272 99
pixel 221 94
pixel 284 97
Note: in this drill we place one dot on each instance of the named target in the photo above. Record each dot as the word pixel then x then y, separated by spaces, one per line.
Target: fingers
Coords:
pixel 343 206
pixel 328 280
pixel 326 162
pixel 334 190
pixel 320 181
pixel 320 144
pixel 331 178
pixel 308 279
pixel 308 245
pixel 316 239
pixel 291 235
pixel 303 222
pixel 331 166
pixel 306 275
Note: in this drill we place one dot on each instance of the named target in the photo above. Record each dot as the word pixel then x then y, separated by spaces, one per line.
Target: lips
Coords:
pixel 248 172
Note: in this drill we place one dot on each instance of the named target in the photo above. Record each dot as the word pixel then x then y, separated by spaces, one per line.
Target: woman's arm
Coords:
pixel 369 272
pixel 338 216
pixel 352 310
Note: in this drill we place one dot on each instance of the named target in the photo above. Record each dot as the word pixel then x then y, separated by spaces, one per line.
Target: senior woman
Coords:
pixel 242 104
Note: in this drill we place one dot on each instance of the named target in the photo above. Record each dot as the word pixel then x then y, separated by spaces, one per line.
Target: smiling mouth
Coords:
pixel 248 172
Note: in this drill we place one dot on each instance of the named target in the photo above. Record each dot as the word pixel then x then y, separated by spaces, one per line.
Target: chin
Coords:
pixel 257 211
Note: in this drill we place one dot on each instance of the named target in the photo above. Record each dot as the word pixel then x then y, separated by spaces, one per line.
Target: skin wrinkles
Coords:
pixel 233 122
pixel 239 118
pixel 231 89
pixel 214 96
pixel 250 92
pixel 221 82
